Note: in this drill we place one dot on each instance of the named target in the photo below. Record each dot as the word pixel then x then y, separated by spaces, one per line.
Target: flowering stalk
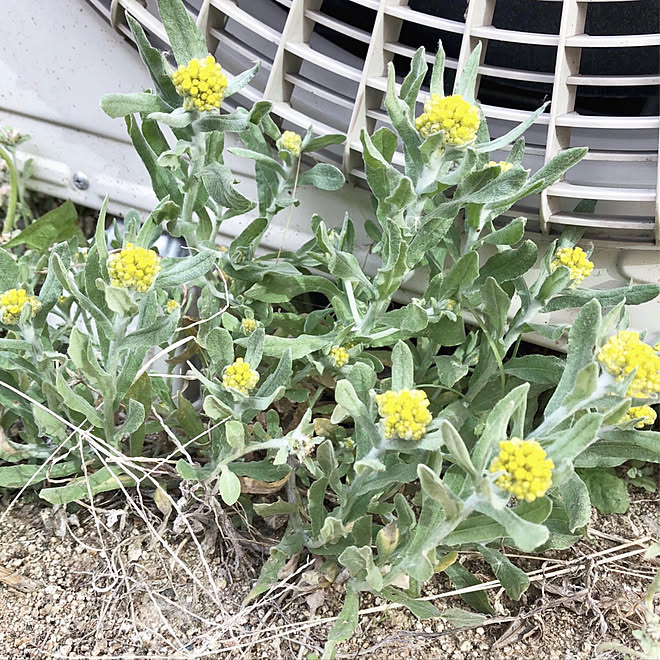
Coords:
pixel 10 218
pixel 197 156
pixel 119 328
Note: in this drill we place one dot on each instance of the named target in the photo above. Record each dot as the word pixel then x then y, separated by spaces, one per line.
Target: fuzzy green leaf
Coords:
pixel 100 481
pixel 229 485
pixel 185 38
pixel 176 272
pixel 58 225
pixel 514 580
pixel 120 105
pixel 8 271
pixel 608 493
pixel 323 176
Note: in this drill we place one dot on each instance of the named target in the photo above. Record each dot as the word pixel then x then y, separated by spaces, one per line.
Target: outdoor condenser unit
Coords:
pixel 324 64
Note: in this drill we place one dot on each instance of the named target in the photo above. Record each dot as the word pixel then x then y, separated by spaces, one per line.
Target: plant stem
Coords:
pixel 198 154
pixel 10 219
pixel 348 287
pixel 119 332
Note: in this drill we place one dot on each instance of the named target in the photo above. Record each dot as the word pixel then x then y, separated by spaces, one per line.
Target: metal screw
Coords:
pixel 80 180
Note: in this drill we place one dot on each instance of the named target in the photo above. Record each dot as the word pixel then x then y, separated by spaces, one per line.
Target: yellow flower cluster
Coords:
pixel 451 114
pixel 527 471
pixel 625 352
pixel 202 84
pixel 249 326
pixel 575 259
pixel 504 166
pixel 290 142
pixel 133 267
pixel 645 414
pixel 240 376
pixel 172 305
pixel 12 303
pixel 339 356
pixel 405 412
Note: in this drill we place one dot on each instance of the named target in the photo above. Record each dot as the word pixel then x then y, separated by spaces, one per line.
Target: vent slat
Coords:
pixel 407 51
pixel 614 81
pixel 237 14
pixel 319 90
pixel 338 26
pixel 514 36
pixel 613 41
pixel 622 156
pixel 312 56
pixel 604 222
pixel 516 74
pixel 573 191
pixel 575 120
pixel 428 20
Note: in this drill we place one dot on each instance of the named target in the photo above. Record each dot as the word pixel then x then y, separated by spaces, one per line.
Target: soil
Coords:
pixel 96 583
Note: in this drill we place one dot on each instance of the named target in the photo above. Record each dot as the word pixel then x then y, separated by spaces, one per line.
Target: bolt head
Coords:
pixel 80 181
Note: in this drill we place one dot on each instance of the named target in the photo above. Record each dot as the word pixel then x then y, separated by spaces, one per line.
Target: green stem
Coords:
pixel 198 155
pixel 348 287
pixel 10 219
pixel 430 540
pixel 357 487
pixel 119 332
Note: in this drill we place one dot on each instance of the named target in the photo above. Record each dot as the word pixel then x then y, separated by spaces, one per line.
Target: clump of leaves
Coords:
pixel 388 435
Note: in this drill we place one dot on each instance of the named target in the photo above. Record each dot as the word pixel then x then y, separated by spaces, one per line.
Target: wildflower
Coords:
pixel 290 141
pixel 240 376
pixel 172 305
pixel 504 166
pixel 249 326
pixel 202 84
pixel 451 304
pixel 451 114
pixel 625 352
pixel 10 137
pixel 405 412
pixel 339 355
pixel 645 414
pixel 133 268
pixel 527 471
pixel 302 445
pixel 575 259
pixel 12 303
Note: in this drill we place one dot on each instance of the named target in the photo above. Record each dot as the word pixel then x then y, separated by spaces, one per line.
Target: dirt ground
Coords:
pixel 95 584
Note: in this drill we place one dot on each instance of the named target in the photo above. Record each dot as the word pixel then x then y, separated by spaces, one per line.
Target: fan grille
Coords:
pixel 328 68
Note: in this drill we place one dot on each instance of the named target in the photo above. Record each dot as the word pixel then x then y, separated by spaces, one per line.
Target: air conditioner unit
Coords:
pixel 324 64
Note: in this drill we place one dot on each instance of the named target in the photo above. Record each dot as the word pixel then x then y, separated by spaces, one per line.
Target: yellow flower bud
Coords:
pixel 625 352
pixel 240 376
pixel 201 83
pixel 451 114
pixel 133 268
pixel 575 259
pixel 645 414
pixel 339 355
pixel 12 303
pixel 290 142
pixel 249 326
pixel 504 166
pixel 527 473
pixel 405 413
